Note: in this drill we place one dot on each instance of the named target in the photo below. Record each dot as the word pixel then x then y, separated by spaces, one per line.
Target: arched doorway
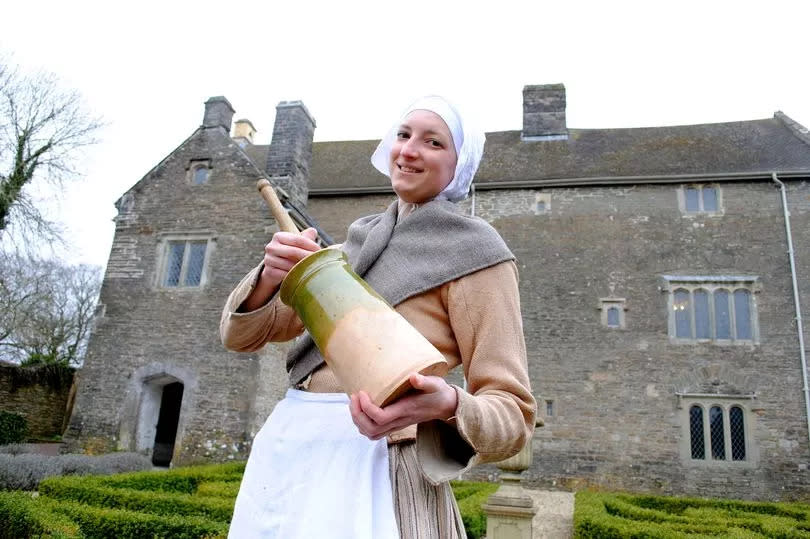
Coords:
pixel 158 417
pixel 166 428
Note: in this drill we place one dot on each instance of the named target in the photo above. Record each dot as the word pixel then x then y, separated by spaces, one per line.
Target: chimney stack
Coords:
pixel 544 112
pixel 290 152
pixel 218 113
pixel 243 132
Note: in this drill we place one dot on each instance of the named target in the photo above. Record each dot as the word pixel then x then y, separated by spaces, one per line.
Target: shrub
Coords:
pixel 184 479
pixel 223 489
pixel 90 491
pixel 470 496
pixel 99 522
pixel 23 516
pixel 13 449
pixel 25 471
pixel 13 428
pixel 616 516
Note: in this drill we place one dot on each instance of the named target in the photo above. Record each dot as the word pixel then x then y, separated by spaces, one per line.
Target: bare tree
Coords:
pixel 42 129
pixel 47 309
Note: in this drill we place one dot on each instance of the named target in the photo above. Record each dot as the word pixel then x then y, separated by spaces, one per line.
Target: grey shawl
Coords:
pixel 432 246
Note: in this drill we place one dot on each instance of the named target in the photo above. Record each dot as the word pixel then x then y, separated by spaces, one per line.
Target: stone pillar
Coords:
pixel 510 510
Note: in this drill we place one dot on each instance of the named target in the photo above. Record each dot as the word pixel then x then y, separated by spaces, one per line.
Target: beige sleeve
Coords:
pixel 249 331
pixel 495 415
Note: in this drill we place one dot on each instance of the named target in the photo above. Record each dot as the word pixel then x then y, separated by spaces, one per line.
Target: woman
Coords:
pixel 319 466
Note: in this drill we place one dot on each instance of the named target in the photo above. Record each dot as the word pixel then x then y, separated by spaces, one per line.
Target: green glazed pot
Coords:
pixel 368 345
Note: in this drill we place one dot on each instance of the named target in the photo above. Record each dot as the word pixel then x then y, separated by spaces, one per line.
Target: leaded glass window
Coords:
pixel 174 263
pixel 717 435
pixel 737 429
pixel 185 260
pixel 696 432
pixel 717 431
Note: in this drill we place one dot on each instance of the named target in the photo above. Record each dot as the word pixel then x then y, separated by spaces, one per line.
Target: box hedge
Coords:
pixel 23 516
pixel 617 516
pixel 91 491
pixel 185 502
pixel 102 523
pixel 470 496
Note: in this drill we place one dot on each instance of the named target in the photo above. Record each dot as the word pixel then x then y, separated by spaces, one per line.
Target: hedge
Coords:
pixel 184 502
pixel 618 516
pixel 13 428
pixel 102 523
pixel 23 516
pixel 224 489
pixel 184 480
pixel 90 491
pixel 470 496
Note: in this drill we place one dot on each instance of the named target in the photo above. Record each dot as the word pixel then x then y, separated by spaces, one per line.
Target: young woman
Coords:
pixel 330 465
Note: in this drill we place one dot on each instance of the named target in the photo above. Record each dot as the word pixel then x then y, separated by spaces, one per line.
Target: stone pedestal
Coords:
pixel 510 510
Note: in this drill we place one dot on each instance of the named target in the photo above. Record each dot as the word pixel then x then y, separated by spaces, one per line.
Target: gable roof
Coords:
pixel 730 150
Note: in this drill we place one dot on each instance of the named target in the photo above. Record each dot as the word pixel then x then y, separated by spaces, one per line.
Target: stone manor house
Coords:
pixel 660 293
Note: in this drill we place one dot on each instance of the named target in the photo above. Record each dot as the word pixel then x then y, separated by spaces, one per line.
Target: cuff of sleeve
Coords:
pixel 240 299
pixel 442 452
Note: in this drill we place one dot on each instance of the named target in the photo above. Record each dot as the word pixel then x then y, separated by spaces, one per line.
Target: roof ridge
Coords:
pixel 801 132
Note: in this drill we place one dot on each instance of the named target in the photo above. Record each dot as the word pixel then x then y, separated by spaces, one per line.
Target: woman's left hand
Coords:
pixel 436 400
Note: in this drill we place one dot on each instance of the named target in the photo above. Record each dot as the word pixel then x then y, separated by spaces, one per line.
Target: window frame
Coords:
pixel 712 284
pixel 197 164
pixel 700 212
pixel 745 402
pixel 605 305
pixel 545 199
pixel 163 258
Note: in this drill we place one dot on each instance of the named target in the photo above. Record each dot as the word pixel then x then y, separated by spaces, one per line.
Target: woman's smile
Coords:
pixel 423 157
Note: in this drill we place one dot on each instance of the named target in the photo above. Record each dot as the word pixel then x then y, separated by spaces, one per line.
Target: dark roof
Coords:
pixel 596 155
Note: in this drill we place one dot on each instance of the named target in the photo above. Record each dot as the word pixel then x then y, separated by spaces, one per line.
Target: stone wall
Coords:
pixel 616 418
pixel 148 335
pixel 41 403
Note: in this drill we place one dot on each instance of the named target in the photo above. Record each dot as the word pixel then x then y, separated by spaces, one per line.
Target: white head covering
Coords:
pixel 468 141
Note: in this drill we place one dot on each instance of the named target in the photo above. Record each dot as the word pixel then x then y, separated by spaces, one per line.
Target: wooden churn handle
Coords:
pixel 281 216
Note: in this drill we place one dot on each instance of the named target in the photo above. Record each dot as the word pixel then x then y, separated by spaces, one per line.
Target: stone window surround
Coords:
pixel 744 401
pixel 545 199
pixel 710 283
pixel 605 304
pixel 162 257
pixel 681 191
pixel 193 165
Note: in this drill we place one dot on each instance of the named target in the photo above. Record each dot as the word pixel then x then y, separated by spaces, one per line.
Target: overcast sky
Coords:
pixel 147 67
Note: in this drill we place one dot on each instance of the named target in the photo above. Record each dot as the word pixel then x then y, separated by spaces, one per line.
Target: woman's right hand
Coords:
pixel 284 251
pixel 280 255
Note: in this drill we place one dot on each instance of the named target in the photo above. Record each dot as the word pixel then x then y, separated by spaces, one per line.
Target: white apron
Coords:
pixel 311 474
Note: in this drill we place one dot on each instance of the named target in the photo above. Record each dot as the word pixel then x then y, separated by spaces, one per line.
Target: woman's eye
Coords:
pixel 435 143
pixel 402 135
